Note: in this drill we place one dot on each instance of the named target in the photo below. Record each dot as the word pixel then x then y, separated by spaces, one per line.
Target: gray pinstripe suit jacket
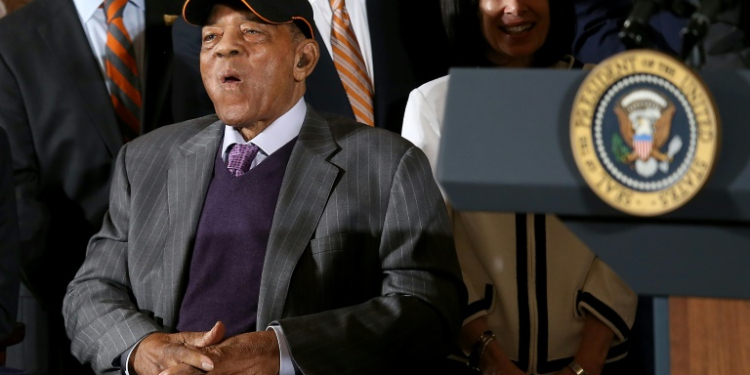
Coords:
pixel 360 270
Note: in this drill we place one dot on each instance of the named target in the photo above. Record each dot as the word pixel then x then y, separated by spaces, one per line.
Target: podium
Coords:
pixel 506 147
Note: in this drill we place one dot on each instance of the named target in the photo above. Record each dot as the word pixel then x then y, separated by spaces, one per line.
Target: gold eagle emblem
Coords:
pixel 645 119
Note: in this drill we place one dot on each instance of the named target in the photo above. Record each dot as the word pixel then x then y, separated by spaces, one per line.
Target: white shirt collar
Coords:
pixel 87 8
pixel 276 135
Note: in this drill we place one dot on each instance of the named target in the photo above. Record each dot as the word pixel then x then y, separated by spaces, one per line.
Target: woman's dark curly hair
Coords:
pixel 469 48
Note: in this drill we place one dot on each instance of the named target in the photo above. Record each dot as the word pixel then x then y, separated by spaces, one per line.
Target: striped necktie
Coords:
pixel 122 71
pixel 347 57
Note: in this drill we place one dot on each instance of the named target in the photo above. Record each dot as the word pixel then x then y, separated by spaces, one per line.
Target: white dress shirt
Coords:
pixel 357 10
pixel 94 23
pixel 274 137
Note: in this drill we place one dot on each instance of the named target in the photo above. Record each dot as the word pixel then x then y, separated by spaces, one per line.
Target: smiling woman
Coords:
pixel 524 33
pixel 540 302
pixel 514 30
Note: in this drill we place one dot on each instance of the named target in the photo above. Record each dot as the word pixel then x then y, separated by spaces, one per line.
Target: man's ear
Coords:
pixel 306 58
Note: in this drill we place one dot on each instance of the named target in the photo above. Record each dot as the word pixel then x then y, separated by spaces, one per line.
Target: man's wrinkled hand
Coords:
pixel 178 353
pixel 249 353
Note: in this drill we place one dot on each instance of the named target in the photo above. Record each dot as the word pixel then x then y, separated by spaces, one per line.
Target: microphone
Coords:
pixel 635 32
pixel 697 28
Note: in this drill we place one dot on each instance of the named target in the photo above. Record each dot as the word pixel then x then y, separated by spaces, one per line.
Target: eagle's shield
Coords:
pixel 642 143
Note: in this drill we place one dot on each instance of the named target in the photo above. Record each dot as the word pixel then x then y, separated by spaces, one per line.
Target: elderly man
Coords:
pixel 398 55
pixel 272 238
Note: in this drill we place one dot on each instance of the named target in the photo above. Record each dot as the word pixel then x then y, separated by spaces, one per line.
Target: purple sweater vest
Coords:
pixel 230 246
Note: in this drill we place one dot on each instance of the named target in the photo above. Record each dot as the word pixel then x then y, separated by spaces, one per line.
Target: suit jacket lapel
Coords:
pixel 187 183
pixel 72 50
pixel 307 184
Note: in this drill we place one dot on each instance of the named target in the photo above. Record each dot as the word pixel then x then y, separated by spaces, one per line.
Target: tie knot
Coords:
pixel 240 157
pixel 337 5
pixel 114 9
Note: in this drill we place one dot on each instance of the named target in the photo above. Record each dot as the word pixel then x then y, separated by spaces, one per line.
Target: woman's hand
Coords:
pixel 493 360
pixel 595 343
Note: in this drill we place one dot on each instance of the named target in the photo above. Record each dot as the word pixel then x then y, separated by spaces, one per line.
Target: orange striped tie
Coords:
pixel 122 71
pixel 350 64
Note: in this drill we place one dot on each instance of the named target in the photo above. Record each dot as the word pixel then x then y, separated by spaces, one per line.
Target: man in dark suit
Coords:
pixel 10 266
pixel 56 108
pixel 407 42
pixel 321 245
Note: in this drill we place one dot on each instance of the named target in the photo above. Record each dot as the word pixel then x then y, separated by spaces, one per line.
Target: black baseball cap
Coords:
pixel 272 11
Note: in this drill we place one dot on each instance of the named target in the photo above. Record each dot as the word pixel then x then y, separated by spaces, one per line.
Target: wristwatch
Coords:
pixel 577 369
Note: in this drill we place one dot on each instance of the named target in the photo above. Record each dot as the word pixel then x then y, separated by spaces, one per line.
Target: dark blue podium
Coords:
pixel 506 147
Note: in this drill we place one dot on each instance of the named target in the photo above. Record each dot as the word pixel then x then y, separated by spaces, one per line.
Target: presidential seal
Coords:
pixel 644 132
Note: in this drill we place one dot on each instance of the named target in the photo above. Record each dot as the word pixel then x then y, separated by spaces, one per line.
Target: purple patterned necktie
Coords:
pixel 240 158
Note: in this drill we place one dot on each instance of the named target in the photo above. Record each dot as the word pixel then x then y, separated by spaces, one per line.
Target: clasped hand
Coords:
pixel 188 353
